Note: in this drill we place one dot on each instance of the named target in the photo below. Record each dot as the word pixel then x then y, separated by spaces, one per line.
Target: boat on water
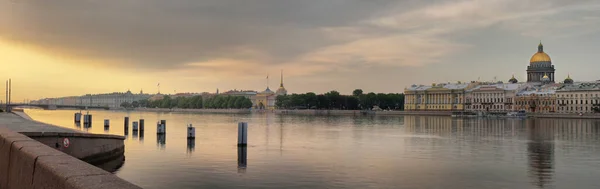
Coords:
pixel 520 113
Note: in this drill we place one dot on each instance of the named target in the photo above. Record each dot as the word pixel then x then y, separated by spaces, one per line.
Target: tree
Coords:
pixel 231 101
pixel 311 100
pixel 165 102
pixel 125 105
pixel 135 104
pixel 196 102
pixel 180 102
pixel 323 102
pixel 144 103
pixel 281 101
pixel 357 92
pixel 247 103
pixel 239 102
pixel 334 99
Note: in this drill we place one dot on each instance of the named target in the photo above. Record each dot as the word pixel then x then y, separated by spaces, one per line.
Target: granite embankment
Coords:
pixel 359 112
pixel 225 111
pixel 38 155
pixel 567 116
pixel 296 112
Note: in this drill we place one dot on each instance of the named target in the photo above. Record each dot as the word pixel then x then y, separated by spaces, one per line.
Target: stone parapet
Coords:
pixel 26 163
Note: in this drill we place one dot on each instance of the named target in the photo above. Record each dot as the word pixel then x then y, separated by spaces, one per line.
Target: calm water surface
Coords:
pixel 353 152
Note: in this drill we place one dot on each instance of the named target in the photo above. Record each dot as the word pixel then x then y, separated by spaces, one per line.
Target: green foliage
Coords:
pixel 333 100
pixel 197 102
pixel 125 105
pixel 135 104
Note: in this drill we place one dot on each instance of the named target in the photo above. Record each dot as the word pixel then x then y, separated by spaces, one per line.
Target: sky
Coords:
pixel 75 47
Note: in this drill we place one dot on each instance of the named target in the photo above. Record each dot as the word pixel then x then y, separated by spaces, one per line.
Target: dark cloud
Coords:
pixel 166 34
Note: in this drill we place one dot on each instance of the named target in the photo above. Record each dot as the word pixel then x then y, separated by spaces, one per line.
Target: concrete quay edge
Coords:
pixel 26 163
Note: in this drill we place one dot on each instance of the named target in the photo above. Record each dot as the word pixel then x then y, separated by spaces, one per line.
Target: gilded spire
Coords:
pixel 281 85
pixel 569 76
pixel 540 47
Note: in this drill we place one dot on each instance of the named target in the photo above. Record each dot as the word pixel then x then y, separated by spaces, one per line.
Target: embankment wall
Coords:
pixel 358 112
pixel 26 163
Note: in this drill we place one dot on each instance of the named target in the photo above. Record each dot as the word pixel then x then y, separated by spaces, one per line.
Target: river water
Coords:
pixel 286 151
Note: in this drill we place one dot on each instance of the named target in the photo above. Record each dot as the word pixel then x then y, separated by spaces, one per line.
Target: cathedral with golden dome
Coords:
pixel 540 67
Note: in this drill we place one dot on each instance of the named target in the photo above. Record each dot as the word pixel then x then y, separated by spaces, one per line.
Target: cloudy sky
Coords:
pixel 71 47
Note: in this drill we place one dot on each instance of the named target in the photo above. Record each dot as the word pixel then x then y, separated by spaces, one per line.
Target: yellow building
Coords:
pixel 265 100
pixel 437 97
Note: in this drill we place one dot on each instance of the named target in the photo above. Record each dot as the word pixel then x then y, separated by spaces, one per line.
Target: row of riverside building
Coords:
pixel 264 100
pixel 540 94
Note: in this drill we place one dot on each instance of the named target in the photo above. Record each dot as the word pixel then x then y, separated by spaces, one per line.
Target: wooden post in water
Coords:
pixel 242 134
pixel 191 132
pixel 126 125
pixel 141 125
pixel 77 117
pixel 135 126
pixel 161 127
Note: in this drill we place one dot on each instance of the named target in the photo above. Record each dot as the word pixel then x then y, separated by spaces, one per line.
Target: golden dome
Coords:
pixel 540 56
pixel 545 76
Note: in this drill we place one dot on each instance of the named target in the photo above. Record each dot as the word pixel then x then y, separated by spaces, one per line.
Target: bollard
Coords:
pixel 106 123
pixel 191 132
pixel 142 125
pixel 242 134
pixel 157 127
pixel 87 120
pixel 135 126
pixel 126 124
pixel 161 128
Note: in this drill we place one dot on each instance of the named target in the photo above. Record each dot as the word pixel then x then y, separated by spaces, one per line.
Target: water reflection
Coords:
pixel 112 165
pixel 242 153
pixel 191 145
pixel 134 135
pixel 141 135
pixel 540 153
pixel 355 152
pixel 161 140
pixel 493 128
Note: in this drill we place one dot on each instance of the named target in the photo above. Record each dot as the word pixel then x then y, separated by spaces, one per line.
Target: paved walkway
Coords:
pixel 18 124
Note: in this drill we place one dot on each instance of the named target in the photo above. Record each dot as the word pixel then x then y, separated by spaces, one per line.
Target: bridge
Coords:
pixel 53 106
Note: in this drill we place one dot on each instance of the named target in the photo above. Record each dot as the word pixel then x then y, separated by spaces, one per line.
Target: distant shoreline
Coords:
pixel 342 112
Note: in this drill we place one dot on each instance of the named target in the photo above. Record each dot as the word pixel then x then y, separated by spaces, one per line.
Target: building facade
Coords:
pixel 497 97
pixel 437 97
pixel 537 99
pixel 266 99
pixel 111 100
pixel 578 97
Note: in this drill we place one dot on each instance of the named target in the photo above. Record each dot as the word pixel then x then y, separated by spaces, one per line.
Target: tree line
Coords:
pixel 333 100
pixel 194 102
